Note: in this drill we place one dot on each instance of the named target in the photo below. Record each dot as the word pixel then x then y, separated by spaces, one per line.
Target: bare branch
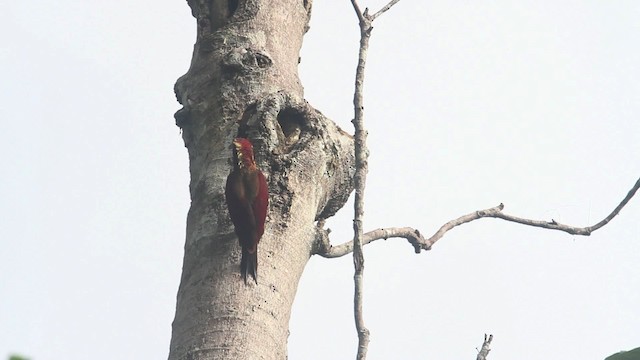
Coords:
pixel 359 13
pixel 360 179
pixel 420 243
pixel 464 219
pixel 384 9
pixel 361 152
pixel 615 211
pixel 554 225
pixel 412 235
pixel 484 351
pixel 496 212
pixel 365 17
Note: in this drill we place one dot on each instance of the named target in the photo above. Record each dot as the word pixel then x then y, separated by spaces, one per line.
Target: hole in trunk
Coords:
pixel 291 123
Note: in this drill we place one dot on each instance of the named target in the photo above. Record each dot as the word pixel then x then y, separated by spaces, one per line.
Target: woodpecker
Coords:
pixel 247 196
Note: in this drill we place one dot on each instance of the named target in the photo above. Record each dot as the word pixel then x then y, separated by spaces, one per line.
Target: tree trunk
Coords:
pixel 243 81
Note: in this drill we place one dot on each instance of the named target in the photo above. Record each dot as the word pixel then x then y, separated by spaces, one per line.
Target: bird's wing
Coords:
pixel 261 203
pixel 239 205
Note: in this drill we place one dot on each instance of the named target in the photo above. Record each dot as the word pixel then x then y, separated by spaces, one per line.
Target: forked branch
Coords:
pixel 484 350
pixel 361 152
pixel 420 243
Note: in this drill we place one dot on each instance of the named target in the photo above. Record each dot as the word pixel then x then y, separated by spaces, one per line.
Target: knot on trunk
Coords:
pixel 246 60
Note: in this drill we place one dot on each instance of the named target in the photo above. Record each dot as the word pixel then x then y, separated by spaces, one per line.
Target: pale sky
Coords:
pixel 535 104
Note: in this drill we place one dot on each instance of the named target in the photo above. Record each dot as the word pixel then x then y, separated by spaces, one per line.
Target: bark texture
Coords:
pixel 243 81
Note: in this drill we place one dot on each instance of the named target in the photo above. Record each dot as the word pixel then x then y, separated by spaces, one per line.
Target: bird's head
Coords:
pixel 244 153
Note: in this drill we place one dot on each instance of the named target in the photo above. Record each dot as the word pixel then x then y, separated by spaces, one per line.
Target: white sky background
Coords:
pixel 468 104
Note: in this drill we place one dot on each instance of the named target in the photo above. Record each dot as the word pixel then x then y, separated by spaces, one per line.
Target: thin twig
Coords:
pixel 615 211
pixel 484 351
pixel 420 243
pixel 359 13
pixel 384 9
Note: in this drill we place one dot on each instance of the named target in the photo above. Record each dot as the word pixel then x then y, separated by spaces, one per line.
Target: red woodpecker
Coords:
pixel 247 197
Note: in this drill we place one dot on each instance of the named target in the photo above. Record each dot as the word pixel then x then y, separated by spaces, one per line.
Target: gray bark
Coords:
pixel 243 81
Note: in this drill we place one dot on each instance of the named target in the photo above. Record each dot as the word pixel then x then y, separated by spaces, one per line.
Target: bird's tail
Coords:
pixel 249 264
